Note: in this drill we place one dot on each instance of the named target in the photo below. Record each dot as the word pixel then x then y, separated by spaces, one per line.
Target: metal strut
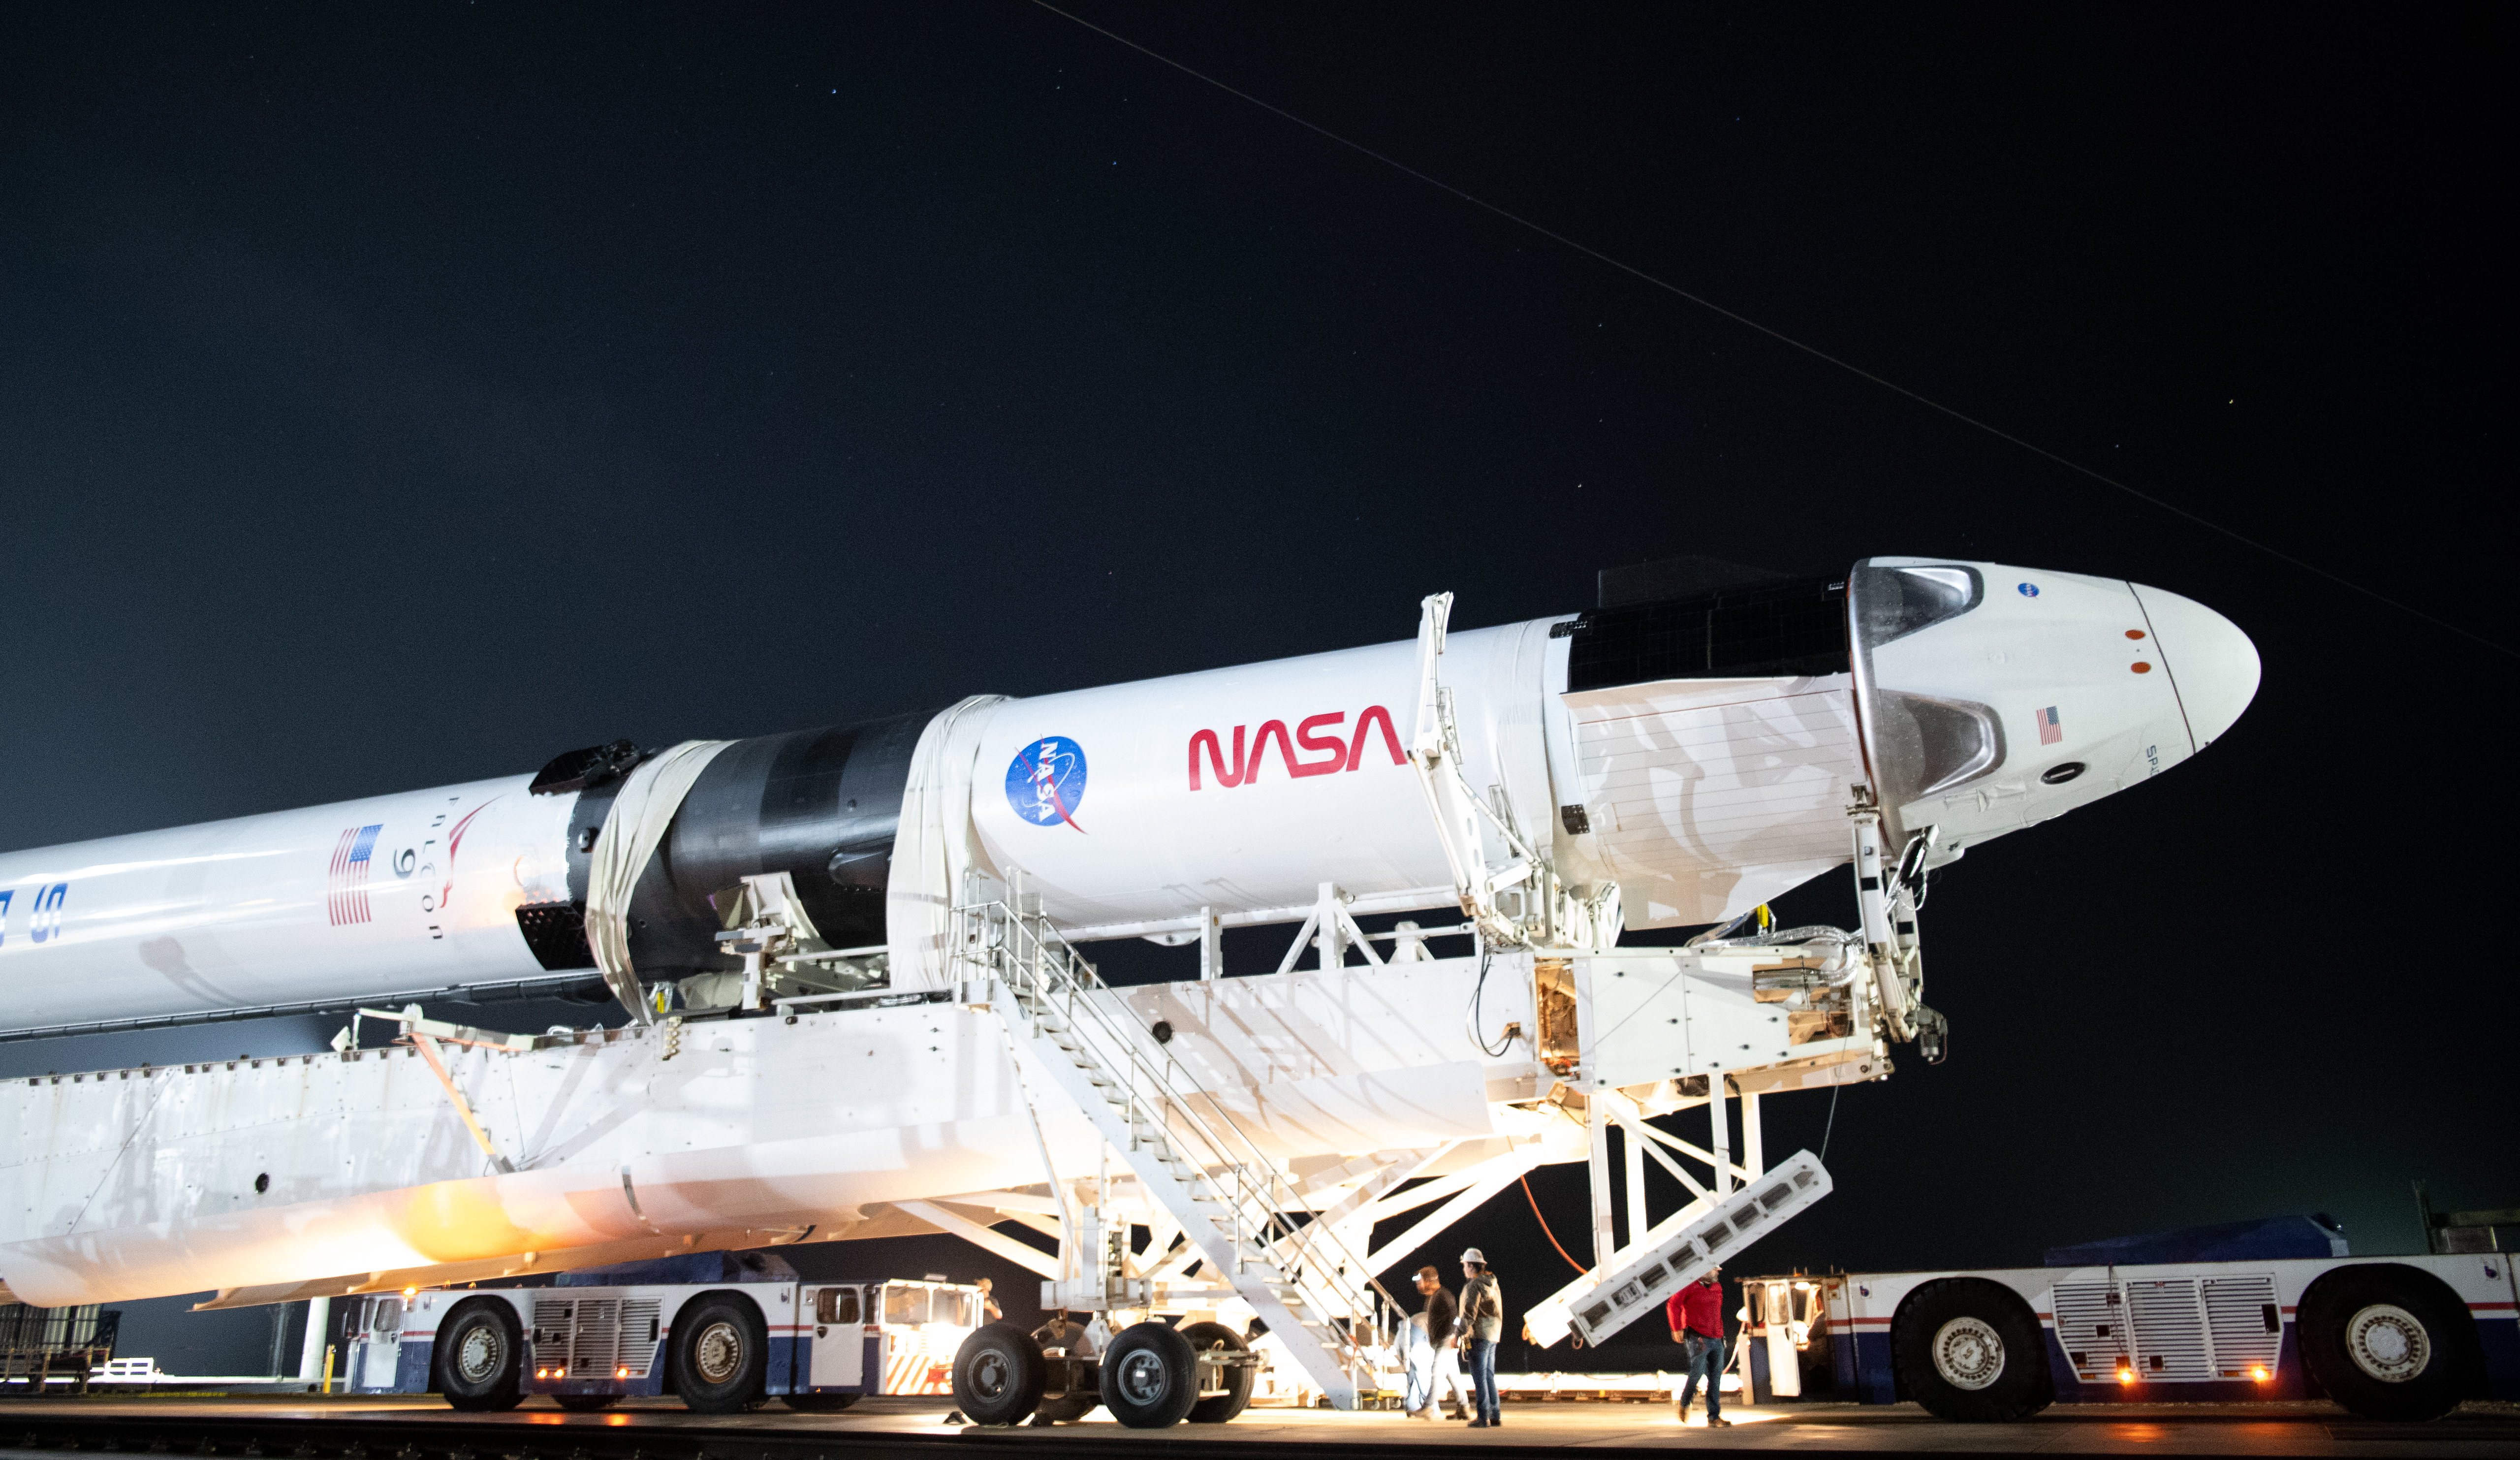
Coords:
pixel 1888 896
pixel 1554 914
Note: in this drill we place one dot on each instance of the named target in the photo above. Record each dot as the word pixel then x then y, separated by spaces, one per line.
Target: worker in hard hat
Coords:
pixel 1696 1314
pixel 1483 1321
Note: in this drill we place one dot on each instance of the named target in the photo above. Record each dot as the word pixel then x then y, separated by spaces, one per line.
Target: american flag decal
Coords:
pixel 2050 728
pixel 345 886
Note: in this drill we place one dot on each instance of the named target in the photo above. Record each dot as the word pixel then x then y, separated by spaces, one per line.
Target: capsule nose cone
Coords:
pixel 2211 663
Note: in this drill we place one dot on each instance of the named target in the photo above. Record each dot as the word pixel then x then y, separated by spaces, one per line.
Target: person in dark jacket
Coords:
pixel 1442 1315
pixel 1483 1322
pixel 1696 1314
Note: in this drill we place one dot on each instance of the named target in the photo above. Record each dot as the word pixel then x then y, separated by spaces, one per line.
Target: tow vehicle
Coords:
pixel 2390 1338
pixel 720 1332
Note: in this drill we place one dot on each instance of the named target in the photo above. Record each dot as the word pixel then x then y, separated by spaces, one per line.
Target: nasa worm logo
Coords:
pixel 1045 781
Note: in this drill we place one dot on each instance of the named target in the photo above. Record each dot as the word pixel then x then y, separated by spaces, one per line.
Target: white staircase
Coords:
pixel 1678 1252
pixel 1232 1202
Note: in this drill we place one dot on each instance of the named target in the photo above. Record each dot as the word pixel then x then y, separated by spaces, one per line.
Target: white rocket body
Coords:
pixel 1971 697
pixel 411 892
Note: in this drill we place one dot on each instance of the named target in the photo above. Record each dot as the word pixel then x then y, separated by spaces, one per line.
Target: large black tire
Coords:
pixel 721 1356
pixel 2387 1343
pixel 585 1403
pixel 1969 1349
pixel 479 1357
pixel 998 1375
pixel 819 1403
pixel 1149 1376
pixel 1216 1409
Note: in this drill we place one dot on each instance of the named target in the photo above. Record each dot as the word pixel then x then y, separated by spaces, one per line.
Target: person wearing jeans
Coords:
pixel 1483 1319
pixel 1483 1384
pixel 1443 1320
pixel 1696 1316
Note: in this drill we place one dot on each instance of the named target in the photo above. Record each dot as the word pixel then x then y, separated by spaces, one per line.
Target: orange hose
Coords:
pixel 1544 1226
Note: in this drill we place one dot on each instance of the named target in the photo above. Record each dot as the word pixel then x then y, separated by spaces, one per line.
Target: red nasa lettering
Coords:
pixel 1316 736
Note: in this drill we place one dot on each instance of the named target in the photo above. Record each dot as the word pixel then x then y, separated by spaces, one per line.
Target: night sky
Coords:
pixel 401 395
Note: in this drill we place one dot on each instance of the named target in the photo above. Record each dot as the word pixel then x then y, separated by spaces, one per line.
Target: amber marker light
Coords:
pixel 411 1292
pixel 625 1372
pixel 2260 1374
pixel 2126 1375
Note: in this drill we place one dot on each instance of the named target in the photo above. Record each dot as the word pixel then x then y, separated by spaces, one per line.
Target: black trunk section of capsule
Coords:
pixel 821 805
pixel 1759 631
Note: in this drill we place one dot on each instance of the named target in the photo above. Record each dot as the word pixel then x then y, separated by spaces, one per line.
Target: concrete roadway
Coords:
pixel 2160 1430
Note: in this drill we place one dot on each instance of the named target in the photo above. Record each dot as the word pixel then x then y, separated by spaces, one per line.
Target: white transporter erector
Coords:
pixel 847 956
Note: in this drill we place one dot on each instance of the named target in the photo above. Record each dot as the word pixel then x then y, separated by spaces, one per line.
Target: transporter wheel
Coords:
pixel 1969 1349
pixel 585 1403
pixel 998 1375
pixel 1149 1376
pixel 481 1352
pixel 721 1354
pixel 819 1403
pixel 2387 1343
pixel 1237 1382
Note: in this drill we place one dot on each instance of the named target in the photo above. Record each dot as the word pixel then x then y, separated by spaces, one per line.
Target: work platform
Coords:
pixel 424 1429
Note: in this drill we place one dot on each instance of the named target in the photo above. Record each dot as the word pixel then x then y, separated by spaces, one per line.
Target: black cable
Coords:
pixel 1785 339
pixel 1831 1127
pixel 1477 990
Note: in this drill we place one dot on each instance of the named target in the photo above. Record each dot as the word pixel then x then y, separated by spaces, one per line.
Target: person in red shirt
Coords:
pixel 1696 1314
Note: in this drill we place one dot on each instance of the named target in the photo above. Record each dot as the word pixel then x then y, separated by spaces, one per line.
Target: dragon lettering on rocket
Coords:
pixel 453 844
pixel 1309 737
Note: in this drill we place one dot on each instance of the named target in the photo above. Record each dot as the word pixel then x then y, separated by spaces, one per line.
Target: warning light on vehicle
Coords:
pixel 625 1372
pixel 2260 1374
pixel 2125 1374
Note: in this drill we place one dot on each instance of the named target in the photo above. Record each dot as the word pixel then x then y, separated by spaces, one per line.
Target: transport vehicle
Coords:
pixel 2400 1338
pixel 718 1336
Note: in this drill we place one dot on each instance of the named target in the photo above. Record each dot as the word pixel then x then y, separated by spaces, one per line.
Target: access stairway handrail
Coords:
pixel 1045 975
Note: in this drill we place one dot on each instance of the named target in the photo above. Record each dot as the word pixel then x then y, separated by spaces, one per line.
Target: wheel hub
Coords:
pixel 1967 1353
pixel 1142 1378
pixel 992 1375
pixel 480 1356
pixel 719 1353
pixel 2387 1343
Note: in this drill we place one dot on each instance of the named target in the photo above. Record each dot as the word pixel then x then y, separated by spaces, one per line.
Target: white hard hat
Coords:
pixel 1473 1255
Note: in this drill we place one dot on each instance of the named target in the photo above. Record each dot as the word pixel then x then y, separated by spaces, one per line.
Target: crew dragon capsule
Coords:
pixel 1678 762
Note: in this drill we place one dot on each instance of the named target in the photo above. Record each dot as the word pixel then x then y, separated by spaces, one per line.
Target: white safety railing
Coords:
pixel 1184 1136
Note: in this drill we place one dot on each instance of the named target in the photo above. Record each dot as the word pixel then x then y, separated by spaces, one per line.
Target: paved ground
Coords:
pixel 2310 1429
